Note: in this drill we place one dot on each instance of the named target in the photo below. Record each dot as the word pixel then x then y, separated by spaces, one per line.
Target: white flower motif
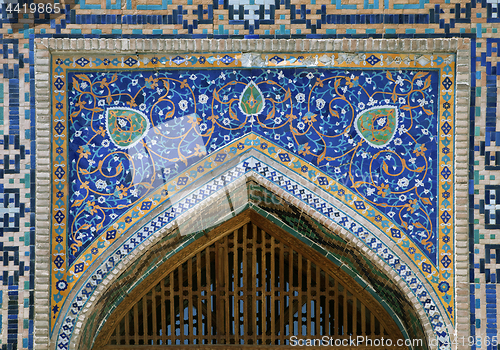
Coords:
pixel 101 102
pixel 391 214
pixel 105 143
pixel 301 125
pixel 402 130
pixel 203 126
pixel 142 107
pixel 193 77
pixel 368 80
pixel 398 141
pixel 203 99
pixel 418 183
pixel 320 103
pixel 403 182
pixel 78 133
pixel 281 75
pixel 422 102
pixel 134 192
pixel 381 121
pixel 226 121
pixel 183 105
pixel 277 120
pixel 134 82
pixel 370 191
pixel 361 105
pixel 310 75
pixel 300 97
pixel 399 80
pixel 402 198
pixel 83 85
pixel 371 102
pixel 101 199
pixel 419 83
pixel 122 122
pixel 401 100
pixel 100 184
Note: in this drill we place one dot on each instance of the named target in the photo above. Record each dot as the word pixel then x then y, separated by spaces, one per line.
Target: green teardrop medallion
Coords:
pixel 126 126
pixel 252 100
pixel 377 125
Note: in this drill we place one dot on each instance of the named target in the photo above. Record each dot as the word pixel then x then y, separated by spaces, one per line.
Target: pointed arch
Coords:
pixel 281 287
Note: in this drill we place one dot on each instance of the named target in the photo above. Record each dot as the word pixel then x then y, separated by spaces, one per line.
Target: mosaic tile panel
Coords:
pixel 133 135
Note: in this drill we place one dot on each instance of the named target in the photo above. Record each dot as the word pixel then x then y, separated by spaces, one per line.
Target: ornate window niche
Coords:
pixel 344 79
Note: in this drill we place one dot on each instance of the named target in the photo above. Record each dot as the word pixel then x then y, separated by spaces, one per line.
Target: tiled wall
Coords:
pixel 477 20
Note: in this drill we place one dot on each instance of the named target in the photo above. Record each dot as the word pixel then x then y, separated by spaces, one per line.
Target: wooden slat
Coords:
pixel 272 289
pixel 209 295
pixel 224 269
pixel 345 323
pixel 363 320
pixel 300 278
pixel 172 310
pixel 236 303
pixel 245 286
pixel 354 315
pixel 127 329
pixel 263 287
pixel 282 286
pixel 190 301
pixel 291 298
pixel 136 324
pixel 118 337
pixel 145 318
pixel 254 281
pixel 199 312
pixel 163 311
pixel 154 316
pixel 308 298
pixel 317 301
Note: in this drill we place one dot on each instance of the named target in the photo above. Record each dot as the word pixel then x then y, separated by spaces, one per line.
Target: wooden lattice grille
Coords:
pixel 246 288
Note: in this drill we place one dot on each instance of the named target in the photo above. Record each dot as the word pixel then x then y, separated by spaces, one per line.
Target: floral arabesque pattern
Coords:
pixel 332 118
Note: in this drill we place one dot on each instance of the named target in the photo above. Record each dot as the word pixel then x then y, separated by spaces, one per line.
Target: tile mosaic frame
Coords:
pixel 262 45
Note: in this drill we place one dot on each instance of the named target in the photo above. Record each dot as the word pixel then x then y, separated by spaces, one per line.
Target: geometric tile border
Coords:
pixel 45 46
